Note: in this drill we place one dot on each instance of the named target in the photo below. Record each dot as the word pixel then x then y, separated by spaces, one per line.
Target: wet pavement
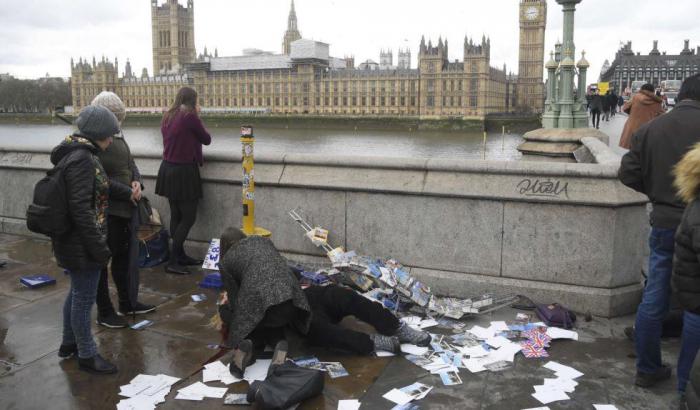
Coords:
pixel 33 377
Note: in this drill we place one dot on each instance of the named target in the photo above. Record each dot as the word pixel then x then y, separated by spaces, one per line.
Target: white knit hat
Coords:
pixel 111 101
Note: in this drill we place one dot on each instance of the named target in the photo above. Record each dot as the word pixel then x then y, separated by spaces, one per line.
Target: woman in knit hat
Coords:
pixel 119 164
pixel 178 176
pixel 83 250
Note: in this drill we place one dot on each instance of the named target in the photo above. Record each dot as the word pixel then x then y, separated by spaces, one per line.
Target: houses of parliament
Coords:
pixel 303 79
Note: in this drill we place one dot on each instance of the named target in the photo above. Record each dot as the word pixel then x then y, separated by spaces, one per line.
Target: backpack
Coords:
pixel 286 385
pixel 48 212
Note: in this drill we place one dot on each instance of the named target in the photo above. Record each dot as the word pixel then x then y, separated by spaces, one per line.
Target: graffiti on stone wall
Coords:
pixel 15 158
pixel 543 188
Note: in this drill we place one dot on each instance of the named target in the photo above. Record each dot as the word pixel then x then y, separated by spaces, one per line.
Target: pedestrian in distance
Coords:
pixel 83 250
pixel 620 103
pixel 178 175
pixel 119 165
pixel 641 108
pixel 606 105
pixel 596 108
pixel 263 297
pixel 613 103
pixel 655 149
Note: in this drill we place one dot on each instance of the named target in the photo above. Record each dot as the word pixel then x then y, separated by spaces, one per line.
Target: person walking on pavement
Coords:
pixel 655 149
pixel 596 108
pixel 613 103
pixel 83 250
pixel 119 165
pixel 642 108
pixel 606 106
pixel 178 176
pixel 620 103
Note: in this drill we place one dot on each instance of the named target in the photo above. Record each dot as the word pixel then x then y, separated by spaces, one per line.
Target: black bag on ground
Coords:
pixel 154 251
pixel 287 385
pixel 48 212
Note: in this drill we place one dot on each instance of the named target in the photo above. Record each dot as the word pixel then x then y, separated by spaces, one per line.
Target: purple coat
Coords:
pixel 183 137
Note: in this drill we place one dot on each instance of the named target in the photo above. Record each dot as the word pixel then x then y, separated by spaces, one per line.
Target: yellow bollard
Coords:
pixel 248 184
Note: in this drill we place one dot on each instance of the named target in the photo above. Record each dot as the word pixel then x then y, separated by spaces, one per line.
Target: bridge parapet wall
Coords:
pixel 570 233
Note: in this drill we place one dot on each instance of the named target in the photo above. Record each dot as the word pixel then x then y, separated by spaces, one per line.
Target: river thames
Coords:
pixel 395 143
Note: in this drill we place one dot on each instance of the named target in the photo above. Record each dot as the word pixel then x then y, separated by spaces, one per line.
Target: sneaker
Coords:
pixel 66 351
pixel 97 365
pixel 386 343
pixel 407 334
pixel 650 379
pixel 112 321
pixel 138 309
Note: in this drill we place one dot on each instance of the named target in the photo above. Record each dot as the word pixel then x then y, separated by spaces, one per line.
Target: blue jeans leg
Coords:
pixel 77 310
pixel 689 347
pixel 655 301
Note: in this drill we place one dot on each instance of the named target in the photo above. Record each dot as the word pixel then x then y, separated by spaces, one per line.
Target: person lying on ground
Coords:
pixel 263 297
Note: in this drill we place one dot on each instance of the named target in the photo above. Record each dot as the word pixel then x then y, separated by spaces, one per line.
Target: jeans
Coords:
pixel 690 343
pixel 655 300
pixel 118 237
pixel 77 309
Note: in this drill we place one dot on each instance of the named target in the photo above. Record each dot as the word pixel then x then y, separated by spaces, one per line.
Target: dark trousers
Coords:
pixel 330 304
pixel 118 236
pixel 182 217
pixel 595 118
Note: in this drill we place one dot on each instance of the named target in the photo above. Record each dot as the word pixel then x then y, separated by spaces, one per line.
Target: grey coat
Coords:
pixel 257 277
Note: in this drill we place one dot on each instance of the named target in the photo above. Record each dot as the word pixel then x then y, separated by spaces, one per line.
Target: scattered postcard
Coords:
pixel 335 369
pixel 498 366
pixel 558 333
pixel 413 349
pixel 604 407
pixel 563 371
pixel 450 378
pixel 398 397
pixel 142 324
pixel 417 390
pixel 236 399
pixel 199 298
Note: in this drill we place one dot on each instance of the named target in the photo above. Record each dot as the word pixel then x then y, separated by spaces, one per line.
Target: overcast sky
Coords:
pixel 40 36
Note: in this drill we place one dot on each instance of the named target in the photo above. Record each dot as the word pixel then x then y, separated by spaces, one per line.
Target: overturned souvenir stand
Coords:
pixel 556 232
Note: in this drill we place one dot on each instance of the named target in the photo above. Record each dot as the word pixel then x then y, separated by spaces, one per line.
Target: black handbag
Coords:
pixel 285 386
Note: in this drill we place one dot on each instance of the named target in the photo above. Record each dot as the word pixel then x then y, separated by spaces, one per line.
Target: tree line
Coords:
pixel 32 96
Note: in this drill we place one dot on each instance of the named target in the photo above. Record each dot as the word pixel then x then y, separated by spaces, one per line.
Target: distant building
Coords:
pixel 652 68
pixel 6 77
pixel 306 79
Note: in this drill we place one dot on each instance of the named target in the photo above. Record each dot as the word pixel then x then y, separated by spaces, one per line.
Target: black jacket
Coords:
pixel 656 148
pixel 596 102
pixel 686 265
pixel 84 247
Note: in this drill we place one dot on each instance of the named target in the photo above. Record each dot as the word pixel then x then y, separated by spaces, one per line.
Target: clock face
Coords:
pixel 531 13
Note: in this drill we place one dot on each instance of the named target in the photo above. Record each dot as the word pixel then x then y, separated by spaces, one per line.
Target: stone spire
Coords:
pixel 292 34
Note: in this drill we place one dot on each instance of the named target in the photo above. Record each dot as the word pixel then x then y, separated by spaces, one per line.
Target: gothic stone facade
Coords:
pixel 316 85
pixel 653 68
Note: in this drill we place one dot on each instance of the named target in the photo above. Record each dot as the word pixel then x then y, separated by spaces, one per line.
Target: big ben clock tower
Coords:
pixel 533 20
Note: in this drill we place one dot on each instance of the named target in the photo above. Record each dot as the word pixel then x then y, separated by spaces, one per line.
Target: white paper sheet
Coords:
pixel 413 349
pixel 381 353
pixel 348 404
pixel 498 341
pixel 562 371
pixel 481 332
pixel 398 397
pixel 559 333
pixel 474 351
pixel 258 371
pixel 550 396
pixel 538 408
pixel 604 407
pixel 499 326
pixel 427 323
pixel 200 389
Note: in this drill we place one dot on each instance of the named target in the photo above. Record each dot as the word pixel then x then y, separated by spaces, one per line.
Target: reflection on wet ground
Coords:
pixel 33 377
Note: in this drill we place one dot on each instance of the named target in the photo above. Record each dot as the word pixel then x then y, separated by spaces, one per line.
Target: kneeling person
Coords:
pixel 263 297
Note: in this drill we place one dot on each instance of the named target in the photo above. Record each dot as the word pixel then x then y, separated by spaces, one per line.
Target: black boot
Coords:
pixel 97 365
pixel 189 261
pixel 279 356
pixel 67 350
pixel 242 358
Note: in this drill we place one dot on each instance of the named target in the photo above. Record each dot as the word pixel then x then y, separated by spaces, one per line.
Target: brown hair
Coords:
pixel 185 100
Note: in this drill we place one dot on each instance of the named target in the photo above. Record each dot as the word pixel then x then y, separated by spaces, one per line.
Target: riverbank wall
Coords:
pixel 516 124
pixel 556 232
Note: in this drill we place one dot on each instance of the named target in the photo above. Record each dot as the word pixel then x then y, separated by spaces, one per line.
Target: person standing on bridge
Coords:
pixel 83 250
pixel 655 149
pixel 178 176
pixel 119 164
pixel 642 108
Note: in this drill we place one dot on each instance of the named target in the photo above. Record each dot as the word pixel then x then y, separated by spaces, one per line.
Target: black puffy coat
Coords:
pixel 84 247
